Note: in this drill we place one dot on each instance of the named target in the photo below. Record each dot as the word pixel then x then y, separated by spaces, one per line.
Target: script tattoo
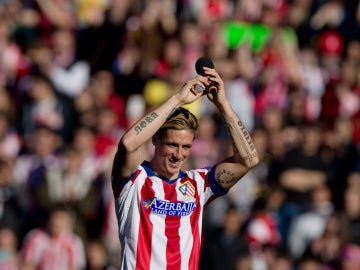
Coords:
pixel 244 138
pixel 225 177
pixel 246 135
pixel 146 121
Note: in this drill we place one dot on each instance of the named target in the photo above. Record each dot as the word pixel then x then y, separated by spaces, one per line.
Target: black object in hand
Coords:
pixel 206 62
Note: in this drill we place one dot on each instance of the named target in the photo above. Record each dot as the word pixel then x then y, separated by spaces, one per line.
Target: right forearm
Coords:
pixel 142 130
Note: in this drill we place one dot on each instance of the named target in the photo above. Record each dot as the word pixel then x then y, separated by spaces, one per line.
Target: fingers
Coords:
pixel 212 75
pixel 199 88
pixel 198 85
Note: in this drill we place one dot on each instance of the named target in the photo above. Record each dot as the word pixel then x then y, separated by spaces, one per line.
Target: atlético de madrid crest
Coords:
pixel 187 189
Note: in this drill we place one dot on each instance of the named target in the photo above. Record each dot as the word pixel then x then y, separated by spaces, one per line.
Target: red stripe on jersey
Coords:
pixel 143 249
pixel 194 221
pixel 172 224
pixel 135 176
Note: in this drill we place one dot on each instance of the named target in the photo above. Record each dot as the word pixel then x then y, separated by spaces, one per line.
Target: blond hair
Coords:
pixel 180 119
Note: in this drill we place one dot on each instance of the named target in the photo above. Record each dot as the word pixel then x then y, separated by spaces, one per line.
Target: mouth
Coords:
pixel 175 163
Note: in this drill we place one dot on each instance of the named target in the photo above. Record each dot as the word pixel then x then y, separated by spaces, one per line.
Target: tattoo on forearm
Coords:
pixel 225 177
pixel 246 135
pixel 144 123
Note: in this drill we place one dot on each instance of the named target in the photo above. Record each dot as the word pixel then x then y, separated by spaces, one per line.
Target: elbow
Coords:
pixel 254 161
pixel 248 162
pixel 251 161
pixel 127 144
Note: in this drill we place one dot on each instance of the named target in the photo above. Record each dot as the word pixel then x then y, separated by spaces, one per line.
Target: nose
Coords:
pixel 178 153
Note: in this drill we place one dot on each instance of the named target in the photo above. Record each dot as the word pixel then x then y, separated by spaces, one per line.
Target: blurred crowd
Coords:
pixel 74 74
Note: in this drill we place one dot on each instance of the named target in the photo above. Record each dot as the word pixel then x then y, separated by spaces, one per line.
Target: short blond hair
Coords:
pixel 180 119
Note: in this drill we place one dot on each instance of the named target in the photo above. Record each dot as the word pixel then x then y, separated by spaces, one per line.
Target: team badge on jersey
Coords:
pixel 187 189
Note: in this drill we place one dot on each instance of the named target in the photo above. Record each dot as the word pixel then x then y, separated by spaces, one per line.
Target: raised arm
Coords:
pixel 128 155
pixel 229 171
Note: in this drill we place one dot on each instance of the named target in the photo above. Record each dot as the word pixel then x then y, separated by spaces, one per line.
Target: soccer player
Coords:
pixel 158 205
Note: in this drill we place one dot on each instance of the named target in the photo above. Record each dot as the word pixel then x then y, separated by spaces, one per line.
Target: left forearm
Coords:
pixel 232 169
pixel 242 144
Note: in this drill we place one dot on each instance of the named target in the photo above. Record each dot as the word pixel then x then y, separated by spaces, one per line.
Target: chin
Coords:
pixel 172 172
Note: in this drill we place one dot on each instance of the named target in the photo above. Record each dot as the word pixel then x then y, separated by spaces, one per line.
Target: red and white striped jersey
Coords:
pixel 160 220
pixel 63 253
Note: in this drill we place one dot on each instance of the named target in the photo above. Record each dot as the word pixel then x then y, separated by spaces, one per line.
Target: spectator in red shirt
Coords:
pixel 56 247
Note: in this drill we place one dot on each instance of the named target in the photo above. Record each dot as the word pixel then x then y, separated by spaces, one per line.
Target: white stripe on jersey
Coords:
pixel 159 240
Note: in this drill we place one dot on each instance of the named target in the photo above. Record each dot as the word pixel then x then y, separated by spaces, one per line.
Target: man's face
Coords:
pixel 171 151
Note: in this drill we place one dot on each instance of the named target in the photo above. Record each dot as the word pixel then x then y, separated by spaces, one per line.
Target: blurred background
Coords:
pixel 74 74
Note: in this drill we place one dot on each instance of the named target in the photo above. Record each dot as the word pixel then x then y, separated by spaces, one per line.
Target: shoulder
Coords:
pixel 206 177
pixel 36 236
pixel 198 172
pixel 122 181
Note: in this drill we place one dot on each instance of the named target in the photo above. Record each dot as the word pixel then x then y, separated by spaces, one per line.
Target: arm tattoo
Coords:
pixel 246 135
pixel 247 143
pixel 225 177
pixel 146 121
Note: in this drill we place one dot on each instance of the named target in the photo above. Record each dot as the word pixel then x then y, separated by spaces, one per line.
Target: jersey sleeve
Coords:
pixel 216 189
pixel 208 188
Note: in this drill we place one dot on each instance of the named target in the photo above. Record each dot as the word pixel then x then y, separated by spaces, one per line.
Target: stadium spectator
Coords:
pixel 55 246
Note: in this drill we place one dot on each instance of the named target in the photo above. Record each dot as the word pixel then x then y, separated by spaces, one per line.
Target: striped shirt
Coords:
pixel 160 220
pixel 63 253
